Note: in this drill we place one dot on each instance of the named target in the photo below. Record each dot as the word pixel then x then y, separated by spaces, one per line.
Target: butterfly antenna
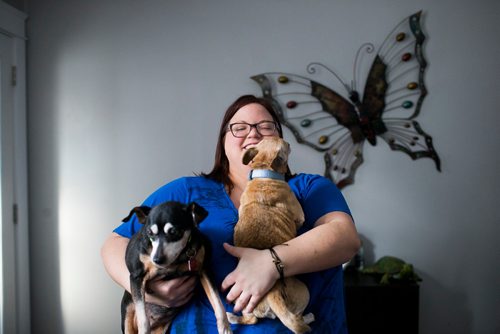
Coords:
pixel 365 48
pixel 311 69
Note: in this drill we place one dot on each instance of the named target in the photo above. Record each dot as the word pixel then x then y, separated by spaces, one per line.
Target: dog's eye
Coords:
pixel 173 231
pixel 170 230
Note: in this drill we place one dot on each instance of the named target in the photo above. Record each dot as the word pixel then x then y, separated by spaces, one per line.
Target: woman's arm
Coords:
pixel 333 241
pixel 113 258
pixel 171 293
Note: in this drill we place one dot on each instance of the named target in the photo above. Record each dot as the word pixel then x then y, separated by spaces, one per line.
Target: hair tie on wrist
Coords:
pixel 279 265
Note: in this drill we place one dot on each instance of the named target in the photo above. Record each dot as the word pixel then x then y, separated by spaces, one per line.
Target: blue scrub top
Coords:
pixel 317 196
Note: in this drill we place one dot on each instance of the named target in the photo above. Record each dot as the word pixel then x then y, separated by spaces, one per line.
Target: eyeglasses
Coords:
pixel 241 130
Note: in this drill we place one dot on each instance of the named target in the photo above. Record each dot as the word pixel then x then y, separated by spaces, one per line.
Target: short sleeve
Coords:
pixel 173 191
pixel 318 196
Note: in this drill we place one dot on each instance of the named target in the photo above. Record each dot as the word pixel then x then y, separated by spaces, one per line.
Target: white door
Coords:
pixel 7 259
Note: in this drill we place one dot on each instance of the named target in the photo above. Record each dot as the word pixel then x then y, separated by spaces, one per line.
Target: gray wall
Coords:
pixel 123 98
pixel 18 4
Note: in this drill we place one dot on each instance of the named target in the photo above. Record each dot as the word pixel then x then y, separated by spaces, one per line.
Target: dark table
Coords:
pixel 373 308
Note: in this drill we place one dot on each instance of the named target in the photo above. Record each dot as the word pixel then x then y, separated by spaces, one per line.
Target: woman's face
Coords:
pixel 235 147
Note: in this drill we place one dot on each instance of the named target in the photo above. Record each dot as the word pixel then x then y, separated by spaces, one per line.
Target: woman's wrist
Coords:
pixel 278 263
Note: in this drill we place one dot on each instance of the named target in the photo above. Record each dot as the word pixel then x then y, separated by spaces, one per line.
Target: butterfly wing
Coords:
pixel 373 104
pixel 320 118
pixel 407 136
pixel 395 90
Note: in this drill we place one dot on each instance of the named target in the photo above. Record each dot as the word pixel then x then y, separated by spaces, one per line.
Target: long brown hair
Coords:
pixel 220 171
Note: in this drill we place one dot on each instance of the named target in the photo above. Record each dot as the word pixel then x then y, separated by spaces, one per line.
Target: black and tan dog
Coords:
pixel 169 245
pixel 270 215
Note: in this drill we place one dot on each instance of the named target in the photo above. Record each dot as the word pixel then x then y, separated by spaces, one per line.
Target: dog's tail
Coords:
pixel 288 300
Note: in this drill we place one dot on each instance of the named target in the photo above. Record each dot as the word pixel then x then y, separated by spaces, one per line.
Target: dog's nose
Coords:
pixel 159 258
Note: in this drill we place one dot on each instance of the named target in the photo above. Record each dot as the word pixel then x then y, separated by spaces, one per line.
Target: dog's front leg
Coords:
pixel 137 290
pixel 223 326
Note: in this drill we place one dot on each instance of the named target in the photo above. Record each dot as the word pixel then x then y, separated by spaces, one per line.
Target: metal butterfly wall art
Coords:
pixel 339 124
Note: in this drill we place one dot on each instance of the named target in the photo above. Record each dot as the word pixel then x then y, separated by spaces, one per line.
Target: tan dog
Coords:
pixel 269 215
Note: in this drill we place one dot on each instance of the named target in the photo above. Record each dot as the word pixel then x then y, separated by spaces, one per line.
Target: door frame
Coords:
pixel 17 318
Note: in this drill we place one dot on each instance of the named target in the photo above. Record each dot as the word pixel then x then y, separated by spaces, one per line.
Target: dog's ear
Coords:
pixel 277 164
pixel 198 212
pixel 249 155
pixel 141 212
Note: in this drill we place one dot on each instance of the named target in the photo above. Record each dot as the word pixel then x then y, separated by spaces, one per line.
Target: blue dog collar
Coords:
pixel 265 173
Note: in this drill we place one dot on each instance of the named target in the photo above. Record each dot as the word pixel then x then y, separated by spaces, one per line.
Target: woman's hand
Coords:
pixel 254 276
pixel 170 293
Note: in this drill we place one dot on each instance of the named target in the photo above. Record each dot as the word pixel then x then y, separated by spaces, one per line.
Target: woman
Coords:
pixel 327 239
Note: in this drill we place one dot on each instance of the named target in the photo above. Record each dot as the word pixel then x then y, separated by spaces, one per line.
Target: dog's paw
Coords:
pixel 223 327
pixel 226 331
pixel 245 319
pixel 308 318
pixel 233 318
